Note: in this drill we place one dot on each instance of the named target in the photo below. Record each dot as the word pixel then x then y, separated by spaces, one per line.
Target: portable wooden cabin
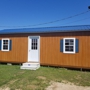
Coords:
pixel 66 46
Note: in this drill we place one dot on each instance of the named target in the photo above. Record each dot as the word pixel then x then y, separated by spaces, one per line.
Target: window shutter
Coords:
pixel 0 44
pixel 77 46
pixel 10 45
pixel 61 45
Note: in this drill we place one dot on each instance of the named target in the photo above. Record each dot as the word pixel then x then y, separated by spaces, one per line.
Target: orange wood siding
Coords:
pixel 49 49
pixel 19 50
pixel 51 55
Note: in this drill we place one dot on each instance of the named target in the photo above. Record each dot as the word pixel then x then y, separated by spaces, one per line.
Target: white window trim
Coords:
pixel 8 44
pixel 64 46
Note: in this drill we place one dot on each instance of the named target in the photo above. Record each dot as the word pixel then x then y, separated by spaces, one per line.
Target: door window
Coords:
pixel 34 44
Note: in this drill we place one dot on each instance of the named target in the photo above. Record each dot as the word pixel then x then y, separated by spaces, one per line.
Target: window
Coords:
pixel 34 45
pixel 69 45
pixel 5 44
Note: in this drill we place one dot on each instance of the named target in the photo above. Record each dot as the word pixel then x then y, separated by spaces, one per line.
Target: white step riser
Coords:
pixel 31 64
pixel 28 67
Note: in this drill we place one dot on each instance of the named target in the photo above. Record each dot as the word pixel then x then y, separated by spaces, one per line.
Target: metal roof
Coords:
pixel 47 29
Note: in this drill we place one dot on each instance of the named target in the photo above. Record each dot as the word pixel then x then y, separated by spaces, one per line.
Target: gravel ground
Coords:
pixel 67 86
pixel 59 86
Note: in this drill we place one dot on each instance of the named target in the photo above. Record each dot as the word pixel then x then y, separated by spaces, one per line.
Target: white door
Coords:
pixel 33 48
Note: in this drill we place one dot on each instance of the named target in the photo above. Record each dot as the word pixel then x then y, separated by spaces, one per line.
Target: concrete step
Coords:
pixel 30 66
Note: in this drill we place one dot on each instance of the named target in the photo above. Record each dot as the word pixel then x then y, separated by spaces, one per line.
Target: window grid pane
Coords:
pixel 34 44
pixel 69 45
pixel 5 44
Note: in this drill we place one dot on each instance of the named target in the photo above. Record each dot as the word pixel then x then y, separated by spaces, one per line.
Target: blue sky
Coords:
pixel 32 12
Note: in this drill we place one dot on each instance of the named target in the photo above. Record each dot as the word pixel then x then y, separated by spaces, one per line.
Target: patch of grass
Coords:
pixel 14 78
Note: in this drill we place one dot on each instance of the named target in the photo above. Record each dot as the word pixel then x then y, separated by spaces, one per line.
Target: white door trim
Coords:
pixel 38 47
